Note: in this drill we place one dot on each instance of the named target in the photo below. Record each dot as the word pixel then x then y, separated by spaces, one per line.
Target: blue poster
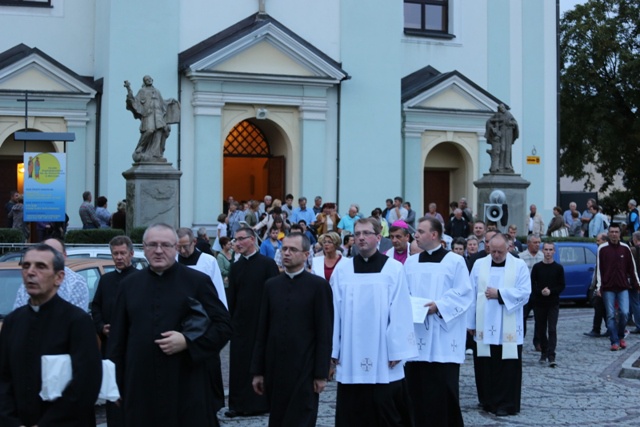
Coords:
pixel 45 187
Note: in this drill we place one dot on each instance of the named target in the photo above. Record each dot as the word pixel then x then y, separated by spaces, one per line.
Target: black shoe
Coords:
pixel 543 359
pixel 592 334
pixel 231 414
pixel 552 363
pixel 502 413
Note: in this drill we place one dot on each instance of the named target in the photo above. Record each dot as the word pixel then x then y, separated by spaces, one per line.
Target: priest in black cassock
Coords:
pixel 246 285
pixel 47 325
pixel 293 345
pixel 192 257
pixel 160 338
pixel 104 302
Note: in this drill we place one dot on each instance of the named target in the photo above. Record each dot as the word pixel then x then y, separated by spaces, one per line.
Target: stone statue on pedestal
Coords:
pixel 501 132
pixel 155 115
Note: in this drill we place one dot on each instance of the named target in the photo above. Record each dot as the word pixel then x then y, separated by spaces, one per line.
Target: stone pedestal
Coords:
pixel 515 189
pixel 152 194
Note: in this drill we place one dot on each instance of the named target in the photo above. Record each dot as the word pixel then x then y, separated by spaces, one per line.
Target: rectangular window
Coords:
pixel 427 18
pixel 26 3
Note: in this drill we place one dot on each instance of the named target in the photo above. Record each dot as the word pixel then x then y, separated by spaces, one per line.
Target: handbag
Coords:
pixel 563 232
pixel 196 323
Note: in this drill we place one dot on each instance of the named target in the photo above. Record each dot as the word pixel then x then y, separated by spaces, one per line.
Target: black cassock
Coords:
pixel 104 301
pixel 160 390
pixel 293 346
pixel 57 328
pixel 102 308
pixel 246 284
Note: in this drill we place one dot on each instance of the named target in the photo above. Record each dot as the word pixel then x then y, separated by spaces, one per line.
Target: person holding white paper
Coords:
pixel 47 326
pixel 441 277
pixel 502 286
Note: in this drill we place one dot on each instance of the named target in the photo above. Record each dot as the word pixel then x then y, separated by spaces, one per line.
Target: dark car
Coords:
pixel 579 262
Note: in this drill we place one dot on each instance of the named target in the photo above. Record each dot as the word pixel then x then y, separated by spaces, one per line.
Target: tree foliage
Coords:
pixel 600 91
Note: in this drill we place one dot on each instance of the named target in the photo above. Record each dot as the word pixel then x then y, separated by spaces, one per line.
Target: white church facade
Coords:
pixel 353 101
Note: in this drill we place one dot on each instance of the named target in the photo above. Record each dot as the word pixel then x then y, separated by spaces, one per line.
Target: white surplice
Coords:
pixel 514 295
pixel 441 337
pixel 373 323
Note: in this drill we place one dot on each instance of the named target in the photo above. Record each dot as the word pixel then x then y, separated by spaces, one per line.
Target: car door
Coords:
pixel 579 264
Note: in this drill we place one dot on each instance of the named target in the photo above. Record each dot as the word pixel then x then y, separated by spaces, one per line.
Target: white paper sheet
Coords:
pixel 418 308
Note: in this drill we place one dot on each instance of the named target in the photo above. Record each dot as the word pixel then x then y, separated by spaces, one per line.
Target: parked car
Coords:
pixel 138 261
pixel 11 278
pixel 579 262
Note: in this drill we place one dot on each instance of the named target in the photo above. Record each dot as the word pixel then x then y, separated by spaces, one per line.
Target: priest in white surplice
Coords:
pixel 433 377
pixel 373 332
pixel 502 286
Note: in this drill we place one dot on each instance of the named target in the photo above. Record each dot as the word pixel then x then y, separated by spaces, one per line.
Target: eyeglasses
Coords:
pixel 183 247
pixel 290 249
pixel 365 233
pixel 242 238
pixel 164 245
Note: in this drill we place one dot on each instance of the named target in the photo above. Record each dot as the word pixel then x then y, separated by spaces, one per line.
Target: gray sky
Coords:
pixel 569 4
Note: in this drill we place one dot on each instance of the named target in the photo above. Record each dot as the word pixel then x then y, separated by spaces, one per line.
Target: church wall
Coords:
pixel 371 158
pixel 65 31
pixel 499 44
pixel 318 22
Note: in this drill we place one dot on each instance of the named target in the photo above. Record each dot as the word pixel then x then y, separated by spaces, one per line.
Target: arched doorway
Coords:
pixel 445 177
pixel 252 167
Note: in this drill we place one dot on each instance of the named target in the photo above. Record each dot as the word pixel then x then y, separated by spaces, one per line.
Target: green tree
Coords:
pixel 600 91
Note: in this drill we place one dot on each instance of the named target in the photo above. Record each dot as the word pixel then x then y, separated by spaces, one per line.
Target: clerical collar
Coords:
pixel 250 255
pixel 124 269
pixel 432 251
pixel 373 264
pixel 191 259
pixel 433 255
pixel 294 274
pixel 498 264
pixel 35 308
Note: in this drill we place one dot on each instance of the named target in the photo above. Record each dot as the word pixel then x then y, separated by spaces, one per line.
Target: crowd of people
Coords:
pixel 387 305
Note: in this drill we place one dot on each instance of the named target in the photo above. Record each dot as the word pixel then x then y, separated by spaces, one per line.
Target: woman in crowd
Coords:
pixel 104 216
pixel 328 219
pixel 225 259
pixel 17 215
pixel 251 215
pixel 324 265
pixel 221 231
pixel 268 220
pixel 432 213
pixel 556 226
pixel 119 217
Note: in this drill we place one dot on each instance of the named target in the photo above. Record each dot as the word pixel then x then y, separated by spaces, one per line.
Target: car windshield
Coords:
pixel 10 281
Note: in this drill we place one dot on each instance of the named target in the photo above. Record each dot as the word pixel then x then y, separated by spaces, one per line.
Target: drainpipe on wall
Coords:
pixel 179 158
pixel 98 140
pixel 339 105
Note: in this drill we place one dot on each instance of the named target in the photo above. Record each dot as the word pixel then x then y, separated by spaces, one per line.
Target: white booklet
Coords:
pixel 57 373
pixel 418 308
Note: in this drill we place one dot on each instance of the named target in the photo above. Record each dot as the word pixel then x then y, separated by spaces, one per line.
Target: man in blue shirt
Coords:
pixel 301 212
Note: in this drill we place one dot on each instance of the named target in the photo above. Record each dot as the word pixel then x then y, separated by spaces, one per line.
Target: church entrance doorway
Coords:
pixel 251 167
pixel 445 177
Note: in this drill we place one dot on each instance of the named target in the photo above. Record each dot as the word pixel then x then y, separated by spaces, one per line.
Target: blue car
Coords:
pixel 579 262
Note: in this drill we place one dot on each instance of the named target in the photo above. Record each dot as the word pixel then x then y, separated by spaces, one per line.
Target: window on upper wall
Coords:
pixel 26 3
pixel 429 18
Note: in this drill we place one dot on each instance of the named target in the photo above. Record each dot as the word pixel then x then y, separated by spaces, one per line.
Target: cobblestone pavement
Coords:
pixel 584 390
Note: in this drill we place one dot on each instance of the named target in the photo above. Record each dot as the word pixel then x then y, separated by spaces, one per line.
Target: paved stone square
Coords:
pixel 584 390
